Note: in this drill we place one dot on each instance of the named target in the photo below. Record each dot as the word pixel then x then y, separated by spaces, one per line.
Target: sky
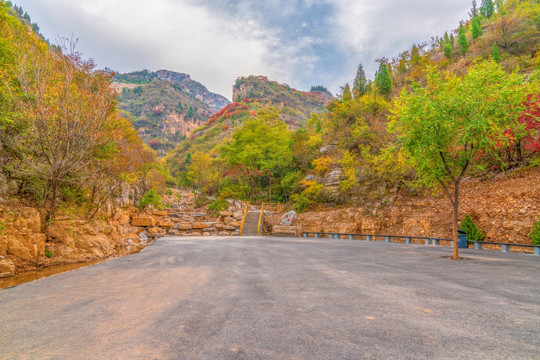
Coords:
pixel 298 42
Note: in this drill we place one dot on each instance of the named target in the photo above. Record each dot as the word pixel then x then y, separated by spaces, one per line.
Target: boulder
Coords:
pixel 328 149
pixel 202 225
pixel 228 227
pixel 223 233
pixel 7 268
pixel 284 230
pixel 206 234
pixel 333 178
pixel 143 221
pixel 198 214
pixel 288 218
pixel 166 224
pixel 209 230
pixel 236 224
pixel 226 213
pixel 219 226
pixel 160 213
pixel 184 226
pixel 156 231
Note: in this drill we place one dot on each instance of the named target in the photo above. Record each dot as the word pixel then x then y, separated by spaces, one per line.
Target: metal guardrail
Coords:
pixel 244 217
pixel 505 247
pixel 261 217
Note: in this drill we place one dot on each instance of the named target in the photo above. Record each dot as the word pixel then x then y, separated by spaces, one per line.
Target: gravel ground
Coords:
pixel 280 298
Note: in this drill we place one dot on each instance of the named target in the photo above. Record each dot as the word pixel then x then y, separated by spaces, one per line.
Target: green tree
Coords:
pixel 444 125
pixel 476 28
pixel 261 147
pixel 383 82
pixel 495 53
pixel 448 51
pixel 487 9
pixel 462 42
pixel 360 82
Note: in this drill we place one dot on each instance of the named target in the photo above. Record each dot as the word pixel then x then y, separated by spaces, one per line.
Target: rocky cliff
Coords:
pixel 194 88
pixel 165 106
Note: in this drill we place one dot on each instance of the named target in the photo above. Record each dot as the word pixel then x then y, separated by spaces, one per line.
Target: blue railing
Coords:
pixel 505 247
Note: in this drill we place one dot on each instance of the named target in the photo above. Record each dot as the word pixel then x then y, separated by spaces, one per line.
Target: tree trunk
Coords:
pixel 454 224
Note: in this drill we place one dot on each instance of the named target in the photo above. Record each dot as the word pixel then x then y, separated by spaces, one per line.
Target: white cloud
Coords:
pixel 216 41
pixel 168 34
pixel 367 29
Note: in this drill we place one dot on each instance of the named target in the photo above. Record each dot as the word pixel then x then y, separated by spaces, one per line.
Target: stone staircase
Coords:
pixel 250 226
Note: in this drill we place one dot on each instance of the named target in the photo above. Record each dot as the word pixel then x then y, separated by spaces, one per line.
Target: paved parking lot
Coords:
pixel 280 298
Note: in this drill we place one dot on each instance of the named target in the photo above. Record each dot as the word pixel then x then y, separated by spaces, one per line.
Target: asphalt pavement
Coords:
pixel 280 298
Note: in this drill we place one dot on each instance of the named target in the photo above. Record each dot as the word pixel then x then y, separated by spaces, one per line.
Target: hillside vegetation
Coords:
pixel 164 106
pixel 258 101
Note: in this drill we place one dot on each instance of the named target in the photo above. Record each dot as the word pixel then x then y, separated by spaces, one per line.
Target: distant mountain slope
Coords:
pixel 250 94
pixel 165 106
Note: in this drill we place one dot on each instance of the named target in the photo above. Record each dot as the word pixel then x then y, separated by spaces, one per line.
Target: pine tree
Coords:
pixel 487 8
pixel 473 232
pixel 383 82
pixel 476 28
pixel 360 82
pixel 448 51
pixel 346 95
pixel 474 10
pixel 495 53
pixel 462 42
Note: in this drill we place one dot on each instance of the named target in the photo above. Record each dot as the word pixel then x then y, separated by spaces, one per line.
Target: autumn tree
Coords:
pixel 360 82
pixel 67 107
pixel 446 124
pixel 346 94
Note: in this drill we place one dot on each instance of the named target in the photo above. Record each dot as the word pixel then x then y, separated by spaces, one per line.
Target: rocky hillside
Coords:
pixel 165 106
pixel 504 208
pixel 125 230
pixel 251 94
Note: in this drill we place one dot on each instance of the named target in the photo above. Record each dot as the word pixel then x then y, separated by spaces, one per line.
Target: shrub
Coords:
pixel 535 233
pixel 301 202
pixel 219 205
pixel 151 197
pixel 473 232
pixel 48 253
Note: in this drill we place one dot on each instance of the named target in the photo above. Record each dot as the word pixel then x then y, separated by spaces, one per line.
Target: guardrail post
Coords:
pixel 537 250
pixel 387 239
pixel 426 241
pixel 351 237
pixel 368 237
pixel 304 234
pixel 506 248
pixel 478 245
pixel 435 241
pixel 317 235
pixel 408 240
